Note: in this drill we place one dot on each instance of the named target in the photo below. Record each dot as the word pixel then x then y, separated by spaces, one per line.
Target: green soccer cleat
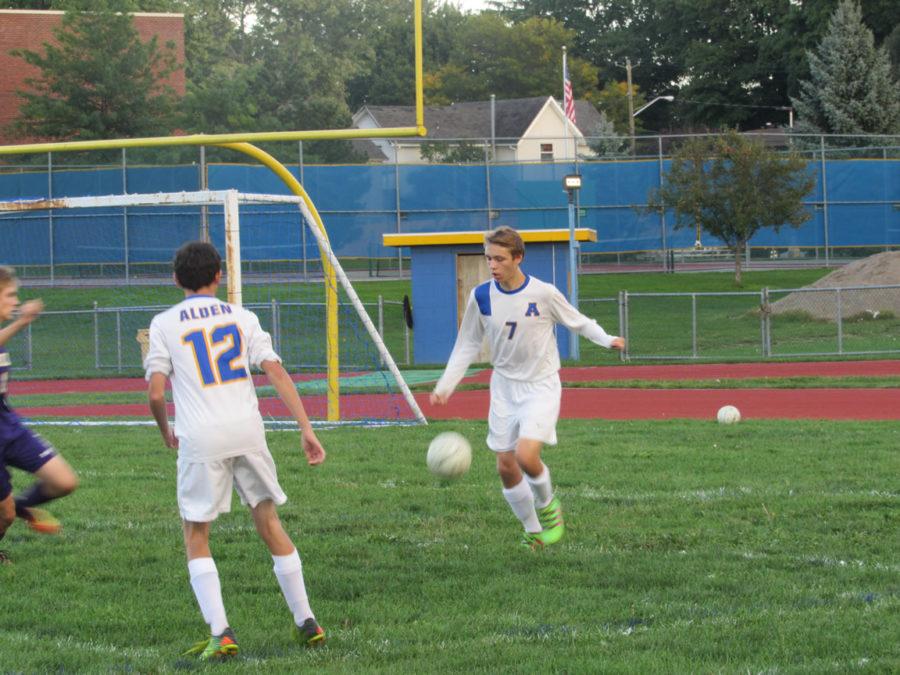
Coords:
pixel 532 541
pixel 40 520
pixel 215 648
pixel 310 634
pixel 551 517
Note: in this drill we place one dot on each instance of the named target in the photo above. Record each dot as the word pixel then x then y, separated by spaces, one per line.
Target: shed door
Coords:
pixel 471 270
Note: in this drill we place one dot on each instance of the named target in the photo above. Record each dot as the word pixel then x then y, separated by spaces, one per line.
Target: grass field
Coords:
pixel 764 547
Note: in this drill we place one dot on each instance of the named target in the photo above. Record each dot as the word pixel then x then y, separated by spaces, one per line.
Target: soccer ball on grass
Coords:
pixel 449 455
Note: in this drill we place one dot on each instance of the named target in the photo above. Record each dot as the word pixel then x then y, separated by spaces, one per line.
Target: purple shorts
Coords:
pixel 21 448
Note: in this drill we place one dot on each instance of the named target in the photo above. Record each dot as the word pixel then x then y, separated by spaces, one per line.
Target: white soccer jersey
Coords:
pixel 206 348
pixel 519 328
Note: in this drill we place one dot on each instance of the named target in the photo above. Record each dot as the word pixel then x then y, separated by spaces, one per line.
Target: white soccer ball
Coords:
pixel 728 414
pixel 449 455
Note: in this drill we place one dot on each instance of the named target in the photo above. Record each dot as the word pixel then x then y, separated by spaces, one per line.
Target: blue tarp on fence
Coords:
pixel 857 205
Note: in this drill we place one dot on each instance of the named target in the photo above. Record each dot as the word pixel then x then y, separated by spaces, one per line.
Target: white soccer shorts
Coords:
pixel 204 488
pixel 522 410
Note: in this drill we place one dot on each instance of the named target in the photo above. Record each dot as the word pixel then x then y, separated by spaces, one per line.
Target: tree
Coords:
pixel 732 186
pixel 850 90
pixel 604 140
pixel 492 56
pixel 98 80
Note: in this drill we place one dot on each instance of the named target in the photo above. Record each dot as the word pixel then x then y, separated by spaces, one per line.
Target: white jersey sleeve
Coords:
pixel 206 348
pixel 571 318
pixel 466 349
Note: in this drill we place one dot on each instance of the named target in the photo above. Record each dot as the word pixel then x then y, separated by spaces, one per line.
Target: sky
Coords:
pixel 469 5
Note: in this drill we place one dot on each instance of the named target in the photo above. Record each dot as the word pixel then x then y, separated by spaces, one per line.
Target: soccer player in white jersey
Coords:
pixel 517 313
pixel 206 348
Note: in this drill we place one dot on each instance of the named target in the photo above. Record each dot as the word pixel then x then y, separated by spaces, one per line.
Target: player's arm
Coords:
pixel 156 398
pixel 278 376
pixel 28 312
pixel 465 351
pixel 571 318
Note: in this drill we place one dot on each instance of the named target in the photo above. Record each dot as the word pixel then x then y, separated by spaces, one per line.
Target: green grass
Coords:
pixel 767 546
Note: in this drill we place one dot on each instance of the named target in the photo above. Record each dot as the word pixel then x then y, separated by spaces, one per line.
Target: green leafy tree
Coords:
pixel 850 90
pixel 613 101
pixel 732 186
pixel 98 80
pixel 492 56
pixel 452 153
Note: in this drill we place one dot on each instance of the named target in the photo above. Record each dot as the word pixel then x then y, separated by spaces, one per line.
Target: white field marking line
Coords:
pixel 272 425
pixel 826 561
pixel 713 494
pixel 68 642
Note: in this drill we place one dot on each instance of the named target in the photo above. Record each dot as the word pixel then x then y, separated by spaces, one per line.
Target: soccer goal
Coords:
pixel 112 255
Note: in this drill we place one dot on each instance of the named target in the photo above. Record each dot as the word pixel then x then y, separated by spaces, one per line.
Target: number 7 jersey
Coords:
pixel 519 326
pixel 206 348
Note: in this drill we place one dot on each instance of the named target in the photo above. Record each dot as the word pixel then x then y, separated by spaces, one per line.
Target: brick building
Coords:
pixel 29 29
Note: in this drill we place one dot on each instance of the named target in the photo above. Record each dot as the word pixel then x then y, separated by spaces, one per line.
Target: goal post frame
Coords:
pixel 231 200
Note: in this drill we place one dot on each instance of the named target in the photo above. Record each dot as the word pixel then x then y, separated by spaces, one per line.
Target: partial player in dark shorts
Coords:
pixel 20 447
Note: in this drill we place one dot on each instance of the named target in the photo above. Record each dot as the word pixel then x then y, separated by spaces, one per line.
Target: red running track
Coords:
pixel 599 403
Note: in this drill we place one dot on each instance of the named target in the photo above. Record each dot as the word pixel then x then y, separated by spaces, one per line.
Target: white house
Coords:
pixel 518 130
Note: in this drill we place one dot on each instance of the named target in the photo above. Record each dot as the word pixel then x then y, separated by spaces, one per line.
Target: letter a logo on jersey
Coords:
pixel 532 309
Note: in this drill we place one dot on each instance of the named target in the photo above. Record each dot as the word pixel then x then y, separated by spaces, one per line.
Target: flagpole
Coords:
pixel 565 116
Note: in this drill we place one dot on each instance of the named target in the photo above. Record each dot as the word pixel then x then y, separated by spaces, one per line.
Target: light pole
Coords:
pixel 571 184
pixel 635 113
pixel 644 107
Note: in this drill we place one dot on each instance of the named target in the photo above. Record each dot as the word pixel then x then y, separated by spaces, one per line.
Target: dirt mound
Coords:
pixel 882 269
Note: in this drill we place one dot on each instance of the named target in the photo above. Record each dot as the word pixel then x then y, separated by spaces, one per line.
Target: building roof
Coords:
pixel 473 119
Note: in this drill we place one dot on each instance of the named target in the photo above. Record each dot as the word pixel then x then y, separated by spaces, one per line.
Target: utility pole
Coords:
pixel 630 103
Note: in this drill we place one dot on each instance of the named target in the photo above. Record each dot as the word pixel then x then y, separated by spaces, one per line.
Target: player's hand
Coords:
pixel 438 399
pixel 315 453
pixel 30 310
pixel 170 439
pixel 618 343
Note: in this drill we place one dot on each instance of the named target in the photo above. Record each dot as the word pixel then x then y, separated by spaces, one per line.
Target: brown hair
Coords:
pixel 507 238
pixel 7 276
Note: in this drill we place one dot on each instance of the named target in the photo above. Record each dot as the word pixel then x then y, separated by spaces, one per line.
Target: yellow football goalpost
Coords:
pixel 243 142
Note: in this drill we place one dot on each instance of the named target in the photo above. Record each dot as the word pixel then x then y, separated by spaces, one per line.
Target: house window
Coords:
pixel 546 152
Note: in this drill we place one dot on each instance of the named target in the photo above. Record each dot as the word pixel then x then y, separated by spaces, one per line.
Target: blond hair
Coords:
pixel 508 238
pixel 7 276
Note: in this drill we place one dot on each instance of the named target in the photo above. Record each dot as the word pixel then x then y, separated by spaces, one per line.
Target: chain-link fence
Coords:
pixel 771 323
pixel 105 341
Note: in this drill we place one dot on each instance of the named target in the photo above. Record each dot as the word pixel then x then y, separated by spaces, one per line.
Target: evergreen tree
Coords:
pixel 851 89
pixel 605 140
pixel 98 80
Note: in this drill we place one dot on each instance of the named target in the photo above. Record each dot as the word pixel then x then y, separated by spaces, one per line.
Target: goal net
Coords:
pixel 105 263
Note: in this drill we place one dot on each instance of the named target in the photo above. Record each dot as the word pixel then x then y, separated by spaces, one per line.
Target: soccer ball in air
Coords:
pixel 728 414
pixel 449 455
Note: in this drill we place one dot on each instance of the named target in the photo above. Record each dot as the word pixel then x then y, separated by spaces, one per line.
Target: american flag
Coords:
pixel 568 99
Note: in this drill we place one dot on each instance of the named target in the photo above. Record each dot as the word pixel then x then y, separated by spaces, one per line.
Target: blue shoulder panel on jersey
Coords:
pixel 483 297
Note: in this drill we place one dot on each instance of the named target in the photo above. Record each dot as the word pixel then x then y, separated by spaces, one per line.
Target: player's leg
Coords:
pixel 503 430
pixel 288 570
pixel 204 491
pixel 256 482
pixel 55 479
pixel 538 409
pixel 7 512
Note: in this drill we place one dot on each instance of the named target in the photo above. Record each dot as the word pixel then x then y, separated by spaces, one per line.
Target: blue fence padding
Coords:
pixel 358 204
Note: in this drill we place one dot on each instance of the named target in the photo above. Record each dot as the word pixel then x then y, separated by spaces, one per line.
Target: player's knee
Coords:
pixel 67 485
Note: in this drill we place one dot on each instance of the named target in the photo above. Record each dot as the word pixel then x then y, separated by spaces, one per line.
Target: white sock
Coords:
pixel 521 501
pixel 208 591
pixel 289 572
pixel 541 487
